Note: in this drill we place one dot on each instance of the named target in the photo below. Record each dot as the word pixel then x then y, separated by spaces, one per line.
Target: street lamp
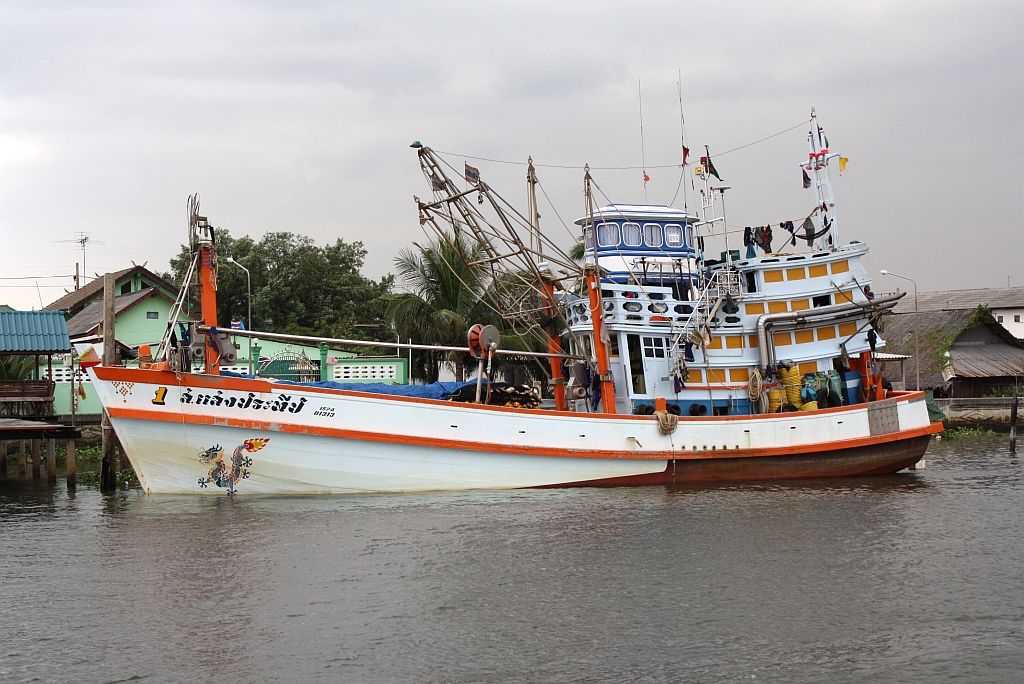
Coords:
pixel 248 323
pixel 917 360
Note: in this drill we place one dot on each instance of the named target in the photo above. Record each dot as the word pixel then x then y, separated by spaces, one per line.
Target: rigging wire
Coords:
pixel 616 168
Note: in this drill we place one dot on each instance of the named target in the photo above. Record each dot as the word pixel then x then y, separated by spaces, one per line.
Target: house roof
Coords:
pixel 33 332
pixel 88 319
pixel 94 288
pixel 948 300
pixel 988 353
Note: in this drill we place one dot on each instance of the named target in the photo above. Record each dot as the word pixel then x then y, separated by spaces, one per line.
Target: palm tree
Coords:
pixel 444 298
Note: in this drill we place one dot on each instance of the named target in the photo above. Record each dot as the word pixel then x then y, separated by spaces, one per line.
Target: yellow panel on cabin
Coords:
pixel 809 367
pixel 696 376
pixel 715 343
pixel 739 375
pixel 716 375
pixel 773 276
pixel 841 266
pixel 804 336
pixel 847 329
pixel 777 307
pixel 781 339
pixel 799 304
pixel 795 274
pixel 818 270
pixel 752 309
pixel 828 333
pixel 734 341
pixel 753 342
pixel 843 297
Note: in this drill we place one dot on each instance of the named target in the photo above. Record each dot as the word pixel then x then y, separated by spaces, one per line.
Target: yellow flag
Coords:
pixel 842 164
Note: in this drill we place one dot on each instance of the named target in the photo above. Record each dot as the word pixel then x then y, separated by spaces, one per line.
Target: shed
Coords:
pixel 963 353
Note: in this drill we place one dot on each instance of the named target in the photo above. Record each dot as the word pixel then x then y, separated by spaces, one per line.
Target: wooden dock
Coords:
pixel 36 433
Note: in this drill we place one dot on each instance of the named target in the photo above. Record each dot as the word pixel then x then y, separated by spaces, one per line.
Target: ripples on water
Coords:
pixel 907 578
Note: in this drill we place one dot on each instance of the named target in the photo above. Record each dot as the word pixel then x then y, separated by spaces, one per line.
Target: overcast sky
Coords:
pixel 298 116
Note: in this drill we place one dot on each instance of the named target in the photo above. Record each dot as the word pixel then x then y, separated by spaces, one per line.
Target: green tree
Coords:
pixel 298 287
pixel 443 298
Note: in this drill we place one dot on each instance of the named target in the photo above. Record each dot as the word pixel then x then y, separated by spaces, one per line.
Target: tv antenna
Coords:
pixel 83 240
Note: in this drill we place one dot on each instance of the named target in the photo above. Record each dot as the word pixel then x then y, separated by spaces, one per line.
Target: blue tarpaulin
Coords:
pixel 435 390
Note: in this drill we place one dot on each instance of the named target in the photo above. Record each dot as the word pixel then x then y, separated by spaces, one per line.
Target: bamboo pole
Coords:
pixel 108 474
pixel 51 461
pixel 69 464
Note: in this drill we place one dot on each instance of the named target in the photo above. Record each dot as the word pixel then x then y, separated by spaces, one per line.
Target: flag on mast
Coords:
pixel 843 161
pixel 706 161
pixel 472 174
pixel 686 153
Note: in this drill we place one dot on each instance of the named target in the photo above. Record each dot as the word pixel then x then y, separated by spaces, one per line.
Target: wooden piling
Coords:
pixel 51 461
pixel 35 459
pixel 108 474
pixel 21 458
pixel 1013 424
pixel 3 458
pixel 70 466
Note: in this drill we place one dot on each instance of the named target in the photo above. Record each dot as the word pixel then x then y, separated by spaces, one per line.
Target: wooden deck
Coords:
pixel 19 428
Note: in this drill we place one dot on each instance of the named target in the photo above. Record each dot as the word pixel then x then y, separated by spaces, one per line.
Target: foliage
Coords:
pixel 298 287
pixel 941 344
pixel 127 479
pixel 444 297
pixel 16 366
pixel 1005 391
pixel 962 432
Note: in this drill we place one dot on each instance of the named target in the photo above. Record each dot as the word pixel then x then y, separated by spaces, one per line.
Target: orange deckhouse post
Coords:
pixel 554 347
pixel 600 348
pixel 208 284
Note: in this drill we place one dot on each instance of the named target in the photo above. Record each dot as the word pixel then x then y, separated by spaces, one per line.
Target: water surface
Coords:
pixel 908 578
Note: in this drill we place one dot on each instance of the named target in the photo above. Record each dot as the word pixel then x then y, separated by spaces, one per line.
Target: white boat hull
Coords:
pixel 211 435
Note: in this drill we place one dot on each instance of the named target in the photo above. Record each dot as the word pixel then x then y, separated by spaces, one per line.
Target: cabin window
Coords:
pixel 152 314
pixel 751 282
pixel 822 300
pixel 652 235
pixel 654 347
pixel 631 235
pixel 613 346
pixel 636 364
pixel 608 234
pixel 674 235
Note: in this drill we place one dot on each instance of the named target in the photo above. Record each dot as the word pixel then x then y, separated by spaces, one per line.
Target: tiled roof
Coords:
pixel 33 332
pixel 949 300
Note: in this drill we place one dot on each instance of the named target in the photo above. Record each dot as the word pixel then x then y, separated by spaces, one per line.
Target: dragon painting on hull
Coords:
pixel 226 475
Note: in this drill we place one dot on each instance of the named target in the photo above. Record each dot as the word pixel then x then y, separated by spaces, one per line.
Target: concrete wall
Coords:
pixel 991 412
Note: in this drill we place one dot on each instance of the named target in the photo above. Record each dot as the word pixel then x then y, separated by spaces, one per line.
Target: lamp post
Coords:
pixel 917 360
pixel 248 323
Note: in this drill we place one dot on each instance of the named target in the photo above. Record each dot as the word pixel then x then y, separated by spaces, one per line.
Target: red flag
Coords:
pixel 686 153
pixel 646 178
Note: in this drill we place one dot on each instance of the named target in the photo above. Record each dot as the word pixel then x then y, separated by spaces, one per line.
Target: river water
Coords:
pixel 909 578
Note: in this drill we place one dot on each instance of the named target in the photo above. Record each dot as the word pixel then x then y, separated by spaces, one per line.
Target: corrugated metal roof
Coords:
pixel 985 361
pixel 33 332
pixel 948 300
pixel 87 320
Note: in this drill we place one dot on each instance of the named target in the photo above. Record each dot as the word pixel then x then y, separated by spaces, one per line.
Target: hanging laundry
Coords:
pixel 807 179
pixel 788 226
pixel 808 228
pixel 748 242
pixel 768 239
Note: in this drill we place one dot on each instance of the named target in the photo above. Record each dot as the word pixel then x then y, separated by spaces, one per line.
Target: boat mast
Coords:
pixel 596 308
pixel 547 285
pixel 817 163
pixel 204 241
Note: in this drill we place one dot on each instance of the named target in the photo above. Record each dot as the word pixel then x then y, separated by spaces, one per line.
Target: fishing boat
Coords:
pixel 664 365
